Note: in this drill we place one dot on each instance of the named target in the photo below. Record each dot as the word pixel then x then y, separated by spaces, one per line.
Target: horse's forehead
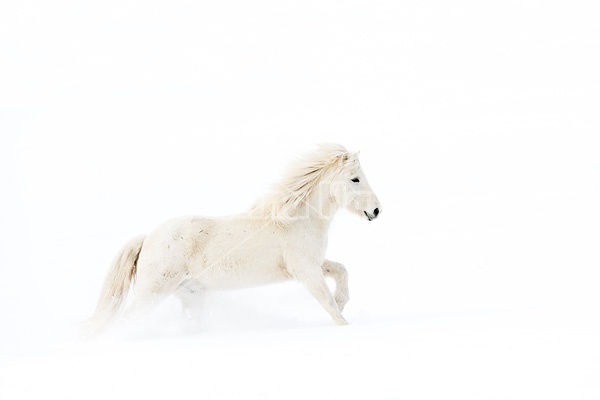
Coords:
pixel 349 169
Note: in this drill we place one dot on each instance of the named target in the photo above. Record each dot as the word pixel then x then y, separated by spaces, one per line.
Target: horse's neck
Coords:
pixel 320 208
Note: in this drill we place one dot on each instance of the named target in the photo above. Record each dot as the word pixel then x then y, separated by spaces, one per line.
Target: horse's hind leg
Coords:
pixel 191 295
pixel 339 274
pixel 143 304
pixel 151 288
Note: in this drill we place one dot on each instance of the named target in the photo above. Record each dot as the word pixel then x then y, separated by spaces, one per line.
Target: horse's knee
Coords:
pixel 336 268
pixel 343 271
pixel 340 274
pixel 332 267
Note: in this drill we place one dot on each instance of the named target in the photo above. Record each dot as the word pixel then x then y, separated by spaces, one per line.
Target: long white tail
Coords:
pixel 116 285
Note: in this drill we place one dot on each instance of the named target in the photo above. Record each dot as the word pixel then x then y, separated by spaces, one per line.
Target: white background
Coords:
pixel 478 129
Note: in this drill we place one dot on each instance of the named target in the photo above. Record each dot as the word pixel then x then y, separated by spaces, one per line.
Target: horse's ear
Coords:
pixel 352 156
pixel 349 157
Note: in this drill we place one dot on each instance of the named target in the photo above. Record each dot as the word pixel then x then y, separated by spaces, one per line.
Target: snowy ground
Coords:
pixel 478 129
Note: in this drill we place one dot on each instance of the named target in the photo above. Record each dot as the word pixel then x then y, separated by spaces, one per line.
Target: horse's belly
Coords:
pixel 224 276
pixel 233 271
pixel 236 254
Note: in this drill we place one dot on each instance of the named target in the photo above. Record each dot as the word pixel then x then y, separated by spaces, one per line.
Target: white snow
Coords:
pixel 478 129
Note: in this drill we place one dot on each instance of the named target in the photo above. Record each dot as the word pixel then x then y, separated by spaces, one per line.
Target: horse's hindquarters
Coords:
pixel 225 253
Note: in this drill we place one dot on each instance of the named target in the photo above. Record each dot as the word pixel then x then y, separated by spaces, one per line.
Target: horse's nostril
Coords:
pixel 376 212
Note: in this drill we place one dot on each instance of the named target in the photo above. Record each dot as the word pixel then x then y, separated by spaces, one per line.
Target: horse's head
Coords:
pixel 329 176
pixel 351 190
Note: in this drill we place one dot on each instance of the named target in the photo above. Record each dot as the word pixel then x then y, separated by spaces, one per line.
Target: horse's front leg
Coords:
pixel 339 274
pixel 313 279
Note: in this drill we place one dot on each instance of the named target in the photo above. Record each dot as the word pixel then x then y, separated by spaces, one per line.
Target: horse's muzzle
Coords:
pixel 371 217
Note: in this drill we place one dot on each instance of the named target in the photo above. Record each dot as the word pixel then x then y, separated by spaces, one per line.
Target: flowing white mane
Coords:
pixel 301 179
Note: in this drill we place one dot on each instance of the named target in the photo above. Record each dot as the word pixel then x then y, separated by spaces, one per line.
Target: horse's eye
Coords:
pixel 355 180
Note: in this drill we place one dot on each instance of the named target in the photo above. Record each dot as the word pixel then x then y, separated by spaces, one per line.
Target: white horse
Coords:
pixel 283 236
